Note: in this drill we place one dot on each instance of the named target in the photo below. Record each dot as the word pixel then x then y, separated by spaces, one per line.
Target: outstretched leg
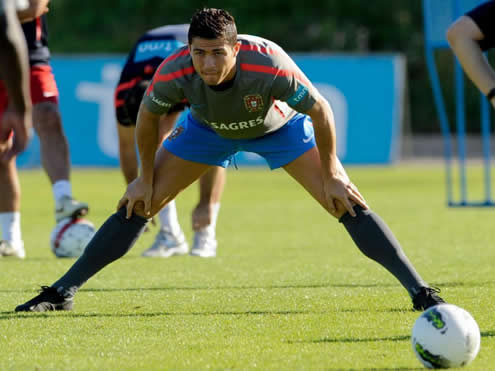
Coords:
pixel 370 233
pixel 117 235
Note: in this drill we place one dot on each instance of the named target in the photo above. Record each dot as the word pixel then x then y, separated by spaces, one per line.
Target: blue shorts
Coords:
pixel 196 142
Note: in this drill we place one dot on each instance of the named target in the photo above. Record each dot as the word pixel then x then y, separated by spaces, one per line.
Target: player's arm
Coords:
pixel 127 98
pixel 324 126
pixel 127 101
pixel 127 152
pixel 294 88
pixel 464 36
pixel 336 184
pixel 141 188
pixel 147 139
pixel 160 96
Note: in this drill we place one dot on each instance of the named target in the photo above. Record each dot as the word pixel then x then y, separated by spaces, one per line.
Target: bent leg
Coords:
pixel 118 234
pixel 169 222
pixel 306 170
pixel 369 232
pixel 171 176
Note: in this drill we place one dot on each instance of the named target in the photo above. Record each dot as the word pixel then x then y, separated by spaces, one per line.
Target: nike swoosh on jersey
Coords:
pixel 48 94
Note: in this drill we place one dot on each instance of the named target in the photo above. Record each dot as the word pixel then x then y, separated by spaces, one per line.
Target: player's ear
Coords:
pixel 237 47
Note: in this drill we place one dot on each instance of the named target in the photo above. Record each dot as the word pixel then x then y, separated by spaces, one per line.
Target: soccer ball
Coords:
pixel 445 336
pixel 70 237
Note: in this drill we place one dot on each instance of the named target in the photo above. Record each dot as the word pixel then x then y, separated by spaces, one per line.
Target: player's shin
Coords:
pixel 375 240
pixel 114 238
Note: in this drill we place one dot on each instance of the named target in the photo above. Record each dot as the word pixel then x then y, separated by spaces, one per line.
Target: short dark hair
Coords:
pixel 211 23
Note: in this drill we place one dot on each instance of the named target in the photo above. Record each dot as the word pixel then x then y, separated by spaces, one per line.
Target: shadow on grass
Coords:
pixel 13 315
pixel 35 259
pixel 377 369
pixel 229 287
pixel 267 287
pixel 485 334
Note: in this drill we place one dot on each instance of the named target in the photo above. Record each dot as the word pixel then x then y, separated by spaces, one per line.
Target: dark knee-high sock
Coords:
pixel 375 240
pixel 114 238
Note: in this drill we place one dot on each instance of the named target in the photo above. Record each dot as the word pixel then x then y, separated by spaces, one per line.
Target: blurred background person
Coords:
pixel 469 36
pixel 48 125
pixel 16 123
pixel 14 72
pixel 146 55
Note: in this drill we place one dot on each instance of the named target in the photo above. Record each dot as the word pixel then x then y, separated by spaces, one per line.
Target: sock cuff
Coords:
pixel 62 188
pixel 359 210
pixel 136 219
pixel 10 215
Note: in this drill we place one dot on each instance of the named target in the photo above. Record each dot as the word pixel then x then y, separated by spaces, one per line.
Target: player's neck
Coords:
pixel 226 84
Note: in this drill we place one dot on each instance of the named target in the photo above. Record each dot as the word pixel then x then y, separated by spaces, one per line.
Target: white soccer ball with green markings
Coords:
pixel 445 336
pixel 70 237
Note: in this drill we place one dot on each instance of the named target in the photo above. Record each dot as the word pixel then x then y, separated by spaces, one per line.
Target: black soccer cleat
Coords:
pixel 48 299
pixel 427 297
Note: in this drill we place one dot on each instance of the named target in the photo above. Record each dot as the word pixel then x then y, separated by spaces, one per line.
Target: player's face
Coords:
pixel 213 59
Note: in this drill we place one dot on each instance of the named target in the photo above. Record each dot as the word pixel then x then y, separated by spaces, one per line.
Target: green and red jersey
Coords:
pixel 267 91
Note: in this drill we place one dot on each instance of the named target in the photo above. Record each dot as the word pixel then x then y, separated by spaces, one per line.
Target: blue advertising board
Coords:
pixel 366 94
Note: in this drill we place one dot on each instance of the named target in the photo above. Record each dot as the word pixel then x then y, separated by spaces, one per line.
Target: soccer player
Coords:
pixel 54 148
pixel 247 94
pixel 471 35
pixel 145 57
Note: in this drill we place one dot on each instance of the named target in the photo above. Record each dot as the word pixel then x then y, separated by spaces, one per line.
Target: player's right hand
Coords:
pixel 137 192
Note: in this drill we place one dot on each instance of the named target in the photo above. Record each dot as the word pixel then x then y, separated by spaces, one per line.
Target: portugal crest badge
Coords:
pixel 177 131
pixel 253 102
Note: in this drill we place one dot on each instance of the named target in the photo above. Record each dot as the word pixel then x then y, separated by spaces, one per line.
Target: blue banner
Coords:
pixel 366 94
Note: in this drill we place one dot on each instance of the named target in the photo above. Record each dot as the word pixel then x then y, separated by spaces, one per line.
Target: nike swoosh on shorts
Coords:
pixel 306 140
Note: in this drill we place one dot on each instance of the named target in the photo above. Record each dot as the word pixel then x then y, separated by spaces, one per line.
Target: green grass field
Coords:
pixel 288 290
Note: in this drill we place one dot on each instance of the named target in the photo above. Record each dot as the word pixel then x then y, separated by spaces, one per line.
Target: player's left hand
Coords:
pixel 339 188
pixel 201 216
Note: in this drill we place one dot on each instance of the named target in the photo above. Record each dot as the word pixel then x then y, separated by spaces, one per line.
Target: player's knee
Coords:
pixel 46 119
